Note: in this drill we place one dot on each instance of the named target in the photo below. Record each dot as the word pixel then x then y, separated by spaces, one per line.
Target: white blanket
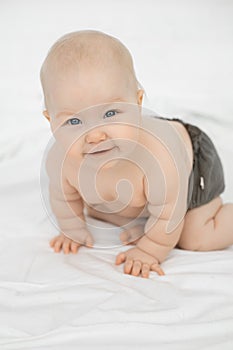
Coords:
pixel 183 56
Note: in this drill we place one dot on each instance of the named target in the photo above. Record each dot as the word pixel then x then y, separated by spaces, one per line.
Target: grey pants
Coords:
pixel 206 181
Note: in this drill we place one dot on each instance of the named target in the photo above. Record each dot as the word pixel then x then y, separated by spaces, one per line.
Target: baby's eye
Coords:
pixel 110 114
pixel 74 121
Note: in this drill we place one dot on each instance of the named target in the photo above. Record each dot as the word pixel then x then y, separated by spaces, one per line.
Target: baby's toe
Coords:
pixel 132 235
pixel 125 236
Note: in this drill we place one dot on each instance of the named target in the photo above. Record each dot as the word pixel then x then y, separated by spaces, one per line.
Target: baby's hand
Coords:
pixel 69 245
pixel 138 262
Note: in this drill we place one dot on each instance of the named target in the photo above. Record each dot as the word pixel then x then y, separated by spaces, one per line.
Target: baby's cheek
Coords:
pixel 73 150
pixel 69 142
pixel 126 137
pixel 123 130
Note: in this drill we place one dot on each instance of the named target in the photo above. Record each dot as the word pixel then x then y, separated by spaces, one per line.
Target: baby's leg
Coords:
pixel 208 227
pixel 129 236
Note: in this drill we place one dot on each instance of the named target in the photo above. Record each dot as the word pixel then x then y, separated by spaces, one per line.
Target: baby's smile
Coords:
pixel 100 151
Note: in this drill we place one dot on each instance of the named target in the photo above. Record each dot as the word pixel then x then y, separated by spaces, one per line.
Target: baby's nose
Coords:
pixel 96 135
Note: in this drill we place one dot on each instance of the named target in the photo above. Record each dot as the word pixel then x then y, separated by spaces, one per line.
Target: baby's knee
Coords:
pixel 189 241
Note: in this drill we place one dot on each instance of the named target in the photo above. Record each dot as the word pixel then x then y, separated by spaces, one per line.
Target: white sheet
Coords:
pixel 183 55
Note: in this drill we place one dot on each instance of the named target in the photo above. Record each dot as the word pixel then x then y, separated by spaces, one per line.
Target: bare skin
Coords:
pixel 158 169
pixel 205 228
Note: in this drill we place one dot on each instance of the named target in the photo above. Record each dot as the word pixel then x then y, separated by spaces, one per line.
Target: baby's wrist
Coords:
pixel 72 223
pixel 155 249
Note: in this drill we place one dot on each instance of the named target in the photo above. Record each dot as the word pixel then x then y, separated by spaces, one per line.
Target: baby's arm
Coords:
pixel 153 248
pixel 164 225
pixel 67 206
pixel 167 205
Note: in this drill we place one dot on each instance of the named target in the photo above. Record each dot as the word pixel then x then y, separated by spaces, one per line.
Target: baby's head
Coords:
pixel 87 68
pixel 91 93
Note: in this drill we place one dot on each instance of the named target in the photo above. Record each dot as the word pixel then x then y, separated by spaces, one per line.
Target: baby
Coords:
pixel 121 164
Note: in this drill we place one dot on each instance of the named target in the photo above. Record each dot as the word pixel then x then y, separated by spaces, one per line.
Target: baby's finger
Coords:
pixel 136 268
pixel 74 247
pixel 66 246
pixel 120 258
pixel 53 241
pixel 157 268
pixel 89 242
pixel 145 270
pixel 57 246
pixel 128 266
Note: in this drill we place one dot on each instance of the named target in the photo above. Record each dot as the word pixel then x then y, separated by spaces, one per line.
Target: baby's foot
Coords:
pixel 68 245
pixel 132 235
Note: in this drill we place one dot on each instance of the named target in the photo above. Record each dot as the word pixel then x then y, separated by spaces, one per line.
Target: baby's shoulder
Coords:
pixel 168 137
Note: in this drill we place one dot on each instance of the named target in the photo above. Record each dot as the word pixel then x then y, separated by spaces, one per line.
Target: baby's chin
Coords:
pixel 110 164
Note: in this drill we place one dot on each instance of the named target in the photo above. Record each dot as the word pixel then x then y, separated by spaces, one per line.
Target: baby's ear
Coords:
pixel 140 94
pixel 46 114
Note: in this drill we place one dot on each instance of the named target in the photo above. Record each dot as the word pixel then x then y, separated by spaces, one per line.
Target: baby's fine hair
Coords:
pixel 88 47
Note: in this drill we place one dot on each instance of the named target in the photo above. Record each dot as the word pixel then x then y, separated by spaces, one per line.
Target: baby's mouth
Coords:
pixel 99 152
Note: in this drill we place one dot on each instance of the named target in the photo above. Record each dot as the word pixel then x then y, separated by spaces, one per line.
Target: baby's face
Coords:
pixel 94 113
